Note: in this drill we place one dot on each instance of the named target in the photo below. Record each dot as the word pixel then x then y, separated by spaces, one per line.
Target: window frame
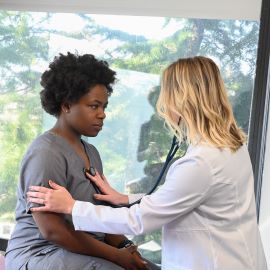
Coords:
pixel 260 103
pixel 207 9
pixel 259 107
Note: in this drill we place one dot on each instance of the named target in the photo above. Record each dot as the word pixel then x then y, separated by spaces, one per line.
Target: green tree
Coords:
pixel 21 48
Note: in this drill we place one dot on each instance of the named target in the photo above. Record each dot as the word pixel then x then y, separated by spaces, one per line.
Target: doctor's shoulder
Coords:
pixel 195 163
pixel 203 161
pixel 215 162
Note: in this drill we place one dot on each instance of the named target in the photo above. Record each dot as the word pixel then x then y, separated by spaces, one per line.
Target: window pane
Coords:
pixel 134 142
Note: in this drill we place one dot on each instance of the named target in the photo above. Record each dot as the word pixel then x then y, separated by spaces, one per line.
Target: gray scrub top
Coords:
pixel 48 157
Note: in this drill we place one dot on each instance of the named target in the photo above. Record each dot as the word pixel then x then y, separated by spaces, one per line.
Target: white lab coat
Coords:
pixel 206 209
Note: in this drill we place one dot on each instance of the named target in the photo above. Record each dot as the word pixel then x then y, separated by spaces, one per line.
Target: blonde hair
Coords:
pixel 193 91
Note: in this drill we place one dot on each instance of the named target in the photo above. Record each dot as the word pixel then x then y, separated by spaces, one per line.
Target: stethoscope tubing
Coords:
pixel 174 148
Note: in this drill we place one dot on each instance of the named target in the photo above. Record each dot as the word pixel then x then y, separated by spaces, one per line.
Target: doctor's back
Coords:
pixel 216 227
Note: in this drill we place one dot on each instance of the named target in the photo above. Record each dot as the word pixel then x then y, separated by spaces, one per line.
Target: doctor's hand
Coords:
pixel 109 194
pixel 130 259
pixel 57 199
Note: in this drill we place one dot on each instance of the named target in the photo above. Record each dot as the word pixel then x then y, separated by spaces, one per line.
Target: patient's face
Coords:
pixel 87 115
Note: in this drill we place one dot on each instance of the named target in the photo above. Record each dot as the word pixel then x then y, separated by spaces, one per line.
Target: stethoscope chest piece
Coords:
pixel 91 171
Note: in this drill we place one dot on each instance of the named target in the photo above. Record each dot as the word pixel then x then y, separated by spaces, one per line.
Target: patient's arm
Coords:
pixel 114 239
pixel 55 229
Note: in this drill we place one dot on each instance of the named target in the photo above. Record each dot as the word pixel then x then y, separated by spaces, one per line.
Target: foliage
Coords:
pixel 20 113
pixel 24 47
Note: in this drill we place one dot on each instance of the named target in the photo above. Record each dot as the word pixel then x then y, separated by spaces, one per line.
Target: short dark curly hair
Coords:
pixel 69 77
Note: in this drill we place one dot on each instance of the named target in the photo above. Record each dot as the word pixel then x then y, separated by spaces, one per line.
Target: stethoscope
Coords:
pixel 174 148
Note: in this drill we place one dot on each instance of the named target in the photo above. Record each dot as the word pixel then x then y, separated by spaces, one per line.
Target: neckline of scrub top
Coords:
pixel 71 149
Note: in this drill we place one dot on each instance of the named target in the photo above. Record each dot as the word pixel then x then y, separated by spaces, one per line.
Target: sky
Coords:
pixel 150 27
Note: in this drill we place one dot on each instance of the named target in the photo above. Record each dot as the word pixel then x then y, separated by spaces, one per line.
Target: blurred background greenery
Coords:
pixel 134 142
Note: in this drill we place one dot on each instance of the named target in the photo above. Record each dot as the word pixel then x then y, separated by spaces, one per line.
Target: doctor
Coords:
pixel 206 206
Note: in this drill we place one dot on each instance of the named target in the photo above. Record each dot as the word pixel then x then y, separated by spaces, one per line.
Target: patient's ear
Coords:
pixel 65 107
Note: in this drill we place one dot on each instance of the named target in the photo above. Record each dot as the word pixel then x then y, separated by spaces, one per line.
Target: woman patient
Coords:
pixel 75 90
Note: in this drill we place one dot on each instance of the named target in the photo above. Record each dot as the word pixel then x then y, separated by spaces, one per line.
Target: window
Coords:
pixel 134 143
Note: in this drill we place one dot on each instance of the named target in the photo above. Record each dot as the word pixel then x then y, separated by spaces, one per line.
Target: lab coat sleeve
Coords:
pixel 187 184
pixel 135 197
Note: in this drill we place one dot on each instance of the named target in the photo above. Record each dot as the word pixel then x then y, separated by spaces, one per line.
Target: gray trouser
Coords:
pixel 62 259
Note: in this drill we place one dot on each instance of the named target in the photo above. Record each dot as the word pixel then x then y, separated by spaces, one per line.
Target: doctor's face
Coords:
pixel 86 116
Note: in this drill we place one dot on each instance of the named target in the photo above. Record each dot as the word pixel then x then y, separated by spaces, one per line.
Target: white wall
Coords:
pixel 203 9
